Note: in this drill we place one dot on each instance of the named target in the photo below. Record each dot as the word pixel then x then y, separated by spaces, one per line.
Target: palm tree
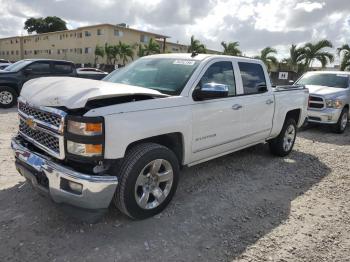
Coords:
pixel 151 48
pixel 109 51
pixel 231 48
pixel 99 52
pixel 344 53
pixel 266 55
pixel 125 52
pixel 316 51
pixel 296 56
pixel 196 46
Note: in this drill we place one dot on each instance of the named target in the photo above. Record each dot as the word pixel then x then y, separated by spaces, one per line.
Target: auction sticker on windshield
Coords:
pixel 184 62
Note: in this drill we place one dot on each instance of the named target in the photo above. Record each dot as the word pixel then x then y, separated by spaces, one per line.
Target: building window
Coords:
pixel 118 33
pixel 87 34
pixel 144 38
pixel 99 32
pixel 88 50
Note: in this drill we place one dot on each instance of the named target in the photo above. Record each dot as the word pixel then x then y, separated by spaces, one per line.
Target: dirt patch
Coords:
pixel 247 206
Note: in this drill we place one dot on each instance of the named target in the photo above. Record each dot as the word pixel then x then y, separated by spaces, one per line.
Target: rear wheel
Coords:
pixel 8 97
pixel 342 123
pixel 283 144
pixel 148 178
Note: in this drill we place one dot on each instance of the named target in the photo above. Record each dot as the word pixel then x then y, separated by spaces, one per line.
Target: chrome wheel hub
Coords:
pixel 154 184
pixel 344 121
pixel 5 97
pixel 289 138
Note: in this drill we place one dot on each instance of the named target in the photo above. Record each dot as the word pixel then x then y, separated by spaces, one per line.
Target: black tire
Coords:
pixel 339 128
pixel 277 144
pixel 136 159
pixel 8 91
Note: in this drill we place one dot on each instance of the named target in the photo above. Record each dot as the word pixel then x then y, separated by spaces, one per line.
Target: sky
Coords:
pixel 254 24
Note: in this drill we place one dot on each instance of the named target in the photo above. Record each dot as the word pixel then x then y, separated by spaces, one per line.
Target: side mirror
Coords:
pixel 28 71
pixel 291 82
pixel 210 91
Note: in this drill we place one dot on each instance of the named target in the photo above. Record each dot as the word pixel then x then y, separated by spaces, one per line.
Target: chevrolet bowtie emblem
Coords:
pixel 30 122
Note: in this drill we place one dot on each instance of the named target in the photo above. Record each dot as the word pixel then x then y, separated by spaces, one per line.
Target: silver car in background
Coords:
pixel 329 98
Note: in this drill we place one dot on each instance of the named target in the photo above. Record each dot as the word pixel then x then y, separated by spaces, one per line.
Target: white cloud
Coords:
pixel 254 23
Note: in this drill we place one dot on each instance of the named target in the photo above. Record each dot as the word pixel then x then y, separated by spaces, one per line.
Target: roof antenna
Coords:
pixel 194 53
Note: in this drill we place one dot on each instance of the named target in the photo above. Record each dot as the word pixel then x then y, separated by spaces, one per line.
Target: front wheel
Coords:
pixel 342 123
pixel 283 144
pixel 148 178
pixel 8 97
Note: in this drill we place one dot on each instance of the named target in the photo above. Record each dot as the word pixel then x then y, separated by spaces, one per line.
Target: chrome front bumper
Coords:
pixel 96 193
pixel 325 116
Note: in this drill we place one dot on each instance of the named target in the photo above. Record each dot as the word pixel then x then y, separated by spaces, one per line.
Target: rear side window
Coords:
pixel 253 78
pixel 62 68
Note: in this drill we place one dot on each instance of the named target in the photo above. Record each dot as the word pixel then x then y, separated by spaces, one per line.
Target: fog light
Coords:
pixel 76 187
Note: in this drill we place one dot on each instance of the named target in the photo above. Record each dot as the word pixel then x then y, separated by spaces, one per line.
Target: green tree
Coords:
pixel 151 48
pixel 196 46
pixel 125 52
pixel 109 51
pixel 267 56
pixel 99 52
pixel 44 25
pixel 295 59
pixel 141 51
pixel 344 54
pixel 231 48
pixel 317 52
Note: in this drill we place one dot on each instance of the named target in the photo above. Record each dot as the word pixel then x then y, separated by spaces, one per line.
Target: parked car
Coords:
pixel 91 73
pixel 4 61
pixel 329 98
pixel 15 75
pixel 4 65
pixel 124 139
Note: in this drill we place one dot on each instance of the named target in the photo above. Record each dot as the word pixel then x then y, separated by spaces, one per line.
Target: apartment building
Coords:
pixel 77 45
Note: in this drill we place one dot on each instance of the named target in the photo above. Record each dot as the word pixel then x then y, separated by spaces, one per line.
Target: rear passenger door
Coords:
pixel 257 102
pixel 63 69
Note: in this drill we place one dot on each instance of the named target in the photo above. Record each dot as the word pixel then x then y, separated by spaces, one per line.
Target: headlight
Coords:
pixel 87 150
pixel 84 129
pixel 334 103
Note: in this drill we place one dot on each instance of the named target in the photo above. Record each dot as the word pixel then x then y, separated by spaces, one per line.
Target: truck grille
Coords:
pixel 44 139
pixel 316 102
pixel 42 127
pixel 40 115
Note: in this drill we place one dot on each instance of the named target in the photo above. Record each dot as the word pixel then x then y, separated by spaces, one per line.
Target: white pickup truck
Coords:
pixel 90 143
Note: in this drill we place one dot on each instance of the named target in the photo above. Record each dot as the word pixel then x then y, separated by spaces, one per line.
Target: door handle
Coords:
pixel 269 101
pixel 236 107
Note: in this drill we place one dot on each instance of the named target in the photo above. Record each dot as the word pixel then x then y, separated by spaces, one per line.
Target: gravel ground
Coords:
pixel 247 206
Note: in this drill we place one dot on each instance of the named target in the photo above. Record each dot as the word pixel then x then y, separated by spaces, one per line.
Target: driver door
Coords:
pixel 37 69
pixel 216 126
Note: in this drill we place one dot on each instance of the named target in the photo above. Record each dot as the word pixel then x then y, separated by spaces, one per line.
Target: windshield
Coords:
pixel 166 75
pixel 18 65
pixel 330 80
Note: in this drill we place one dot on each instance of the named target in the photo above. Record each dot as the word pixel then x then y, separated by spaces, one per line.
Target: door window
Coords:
pixel 62 68
pixel 253 78
pixel 221 73
pixel 39 67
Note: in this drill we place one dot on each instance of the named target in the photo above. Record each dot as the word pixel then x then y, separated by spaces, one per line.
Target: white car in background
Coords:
pixel 329 98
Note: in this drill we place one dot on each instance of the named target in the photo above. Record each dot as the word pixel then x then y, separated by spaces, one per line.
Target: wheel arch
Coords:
pixel 173 141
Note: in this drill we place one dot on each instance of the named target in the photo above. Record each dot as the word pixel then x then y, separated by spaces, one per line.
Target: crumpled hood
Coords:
pixel 76 92
pixel 324 90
